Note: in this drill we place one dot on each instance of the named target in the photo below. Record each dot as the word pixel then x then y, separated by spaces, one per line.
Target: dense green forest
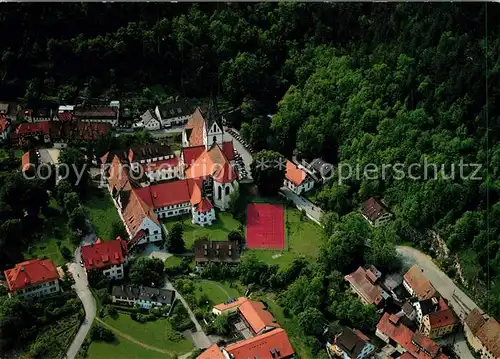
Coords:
pixel 354 83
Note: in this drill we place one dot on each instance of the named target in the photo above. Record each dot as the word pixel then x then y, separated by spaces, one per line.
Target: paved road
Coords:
pixel 312 211
pixel 446 287
pixel 200 339
pixel 82 290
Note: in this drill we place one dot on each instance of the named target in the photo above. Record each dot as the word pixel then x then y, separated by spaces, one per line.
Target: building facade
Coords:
pixel 144 297
pixel 106 257
pixel 33 279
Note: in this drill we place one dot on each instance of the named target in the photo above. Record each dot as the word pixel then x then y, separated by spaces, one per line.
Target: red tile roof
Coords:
pixel 26 161
pixel 204 206
pixel 194 128
pixel 170 193
pixel 212 163
pixel 487 330
pixel 226 174
pixel 191 154
pixel 373 209
pixel 27 128
pixel 443 318
pixel 228 149
pixel 262 345
pixel 429 345
pixel 30 273
pixel 213 352
pixel 360 279
pixel 294 174
pixel 160 165
pixel 224 306
pixel 65 116
pixel 257 316
pixel 419 283
pixel 391 326
pixel 96 112
pixel 104 254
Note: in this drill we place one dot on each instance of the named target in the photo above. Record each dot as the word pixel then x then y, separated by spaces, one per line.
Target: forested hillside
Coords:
pixel 353 83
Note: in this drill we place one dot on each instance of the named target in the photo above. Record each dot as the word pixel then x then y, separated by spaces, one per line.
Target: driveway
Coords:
pixel 312 211
pixel 458 300
pixel 199 337
pixel 82 289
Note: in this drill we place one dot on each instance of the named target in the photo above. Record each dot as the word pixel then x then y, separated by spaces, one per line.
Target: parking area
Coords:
pixel 243 155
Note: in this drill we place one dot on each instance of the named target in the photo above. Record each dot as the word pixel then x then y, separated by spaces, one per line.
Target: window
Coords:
pixel 219 193
pixel 155 232
pixel 215 138
pixel 227 190
pixel 119 271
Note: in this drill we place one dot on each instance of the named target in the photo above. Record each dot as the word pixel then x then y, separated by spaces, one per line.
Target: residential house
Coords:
pixel 106 257
pixel 38 132
pixel 203 213
pixel 256 317
pixel 230 307
pixel 9 110
pixel 41 114
pixel 375 212
pixel 425 307
pixel 297 179
pixel 364 282
pixel 5 128
pixel 439 324
pixel 417 284
pixel 148 121
pixel 173 114
pixel 145 297
pixel 270 345
pixel 207 251
pixel 321 168
pixel 392 331
pixel 483 334
pixel 99 113
pixel 350 344
pixel 32 279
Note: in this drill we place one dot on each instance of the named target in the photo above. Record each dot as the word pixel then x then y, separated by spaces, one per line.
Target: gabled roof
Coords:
pixel 425 343
pixel 212 352
pixel 228 149
pixel 487 330
pixel 148 116
pixel 371 292
pixel 27 128
pixel 65 116
pixel 213 116
pixel 195 126
pixel 191 154
pixel 294 174
pixel 170 193
pixel 257 316
pixel 262 346
pixel 163 296
pixel 443 318
pixel 351 342
pixel 104 254
pixel 419 283
pixel 150 151
pixel 212 163
pixel 135 210
pixel 91 112
pixel 204 206
pixel 29 273
pixel 374 209
pixel 231 304
pixel 216 251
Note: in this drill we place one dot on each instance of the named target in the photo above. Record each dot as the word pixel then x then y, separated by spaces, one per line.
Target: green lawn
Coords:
pixel 155 333
pixel 302 238
pixel 55 234
pixel 218 231
pixel 218 292
pixel 122 349
pixel 173 261
pixel 102 213
pixel 295 333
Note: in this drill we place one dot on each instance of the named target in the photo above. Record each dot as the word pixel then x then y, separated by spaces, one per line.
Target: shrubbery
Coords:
pixel 99 333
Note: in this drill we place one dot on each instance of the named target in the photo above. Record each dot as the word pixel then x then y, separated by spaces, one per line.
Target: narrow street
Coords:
pixel 83 291
pixel 312 211
pixel 199 337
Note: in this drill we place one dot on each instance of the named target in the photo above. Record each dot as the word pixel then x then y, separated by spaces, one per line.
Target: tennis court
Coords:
pixel 265 226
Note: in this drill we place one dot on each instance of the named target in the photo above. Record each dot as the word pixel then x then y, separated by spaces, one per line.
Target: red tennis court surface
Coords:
pixel 265 226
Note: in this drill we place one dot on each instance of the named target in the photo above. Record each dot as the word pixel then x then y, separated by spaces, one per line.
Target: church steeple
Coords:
pixel 213 125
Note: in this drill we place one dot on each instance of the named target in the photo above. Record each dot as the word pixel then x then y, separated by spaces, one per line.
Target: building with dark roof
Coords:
pixel 483 334
pixel 206 251
pixel 321 168
pixel 174 114
pixel 146 297
pixel 351 344
pixel 375 212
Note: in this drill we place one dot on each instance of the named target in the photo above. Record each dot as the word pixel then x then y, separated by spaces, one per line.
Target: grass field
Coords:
pixel 218 292
pixel 295 333
pixel 102 213
pixel 56 234
pixel 172 262
pixel 122 349
pixel 155 334
pixel 218 231
pixel 302 238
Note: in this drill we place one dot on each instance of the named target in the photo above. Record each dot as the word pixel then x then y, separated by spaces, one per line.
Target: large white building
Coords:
pixel 106 257
pixel 32 279
pixel 201 179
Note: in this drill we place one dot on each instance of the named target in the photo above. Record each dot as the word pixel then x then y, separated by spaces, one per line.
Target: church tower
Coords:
pixel 214 130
